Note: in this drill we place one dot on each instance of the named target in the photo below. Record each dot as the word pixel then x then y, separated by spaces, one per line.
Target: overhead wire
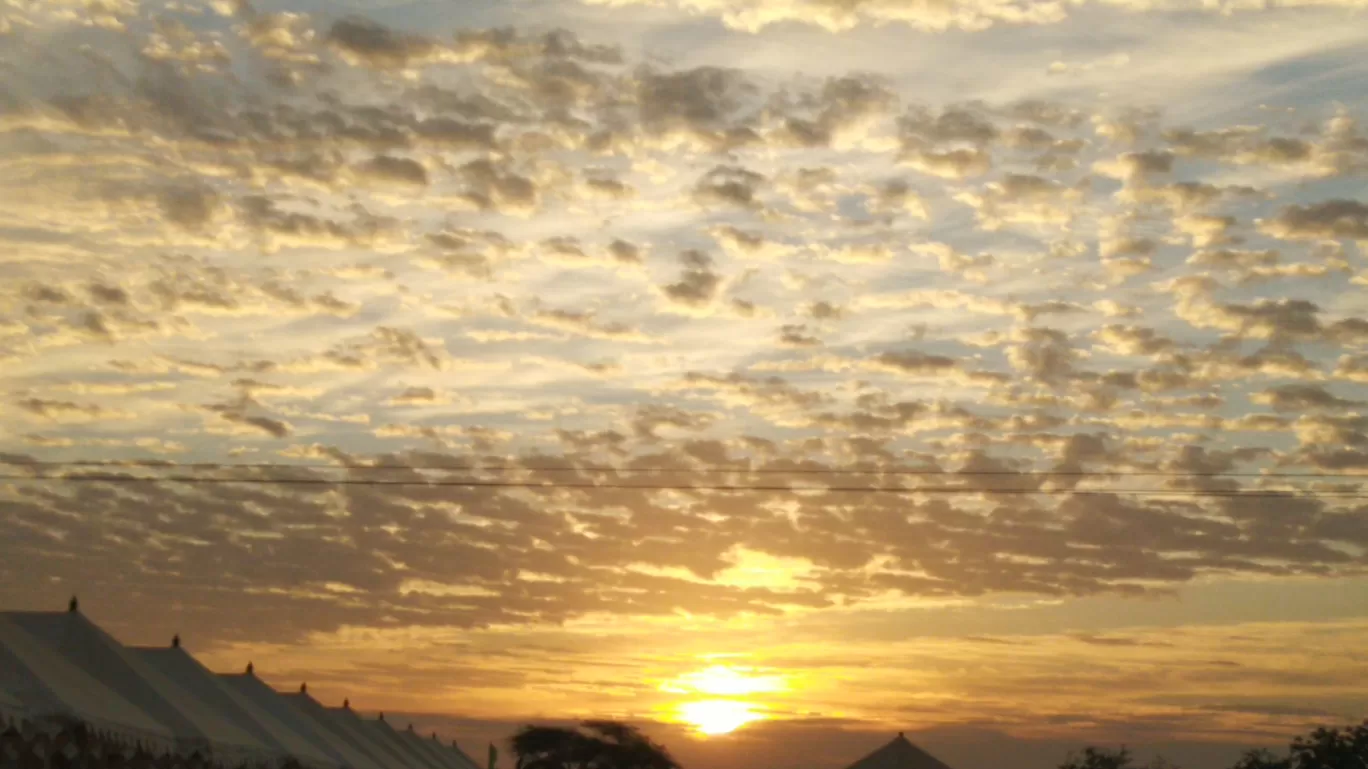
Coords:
pixel 156 465
pixel 750 488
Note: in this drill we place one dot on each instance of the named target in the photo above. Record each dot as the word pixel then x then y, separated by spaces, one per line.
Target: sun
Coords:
pixel 714 717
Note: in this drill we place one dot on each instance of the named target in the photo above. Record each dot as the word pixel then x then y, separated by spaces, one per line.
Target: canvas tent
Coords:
pixel 310 708
pixel 12 711
pixel 194 725
pixel 46 686
pixel 368 737
pixel 372 738
pixel 208 688
pixel 899 754
pixel 448 758
pixel 272 702
pixel 412 754
pixel 467 759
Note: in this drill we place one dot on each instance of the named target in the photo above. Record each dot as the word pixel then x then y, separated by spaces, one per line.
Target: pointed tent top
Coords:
pixel 175 641
pixel 346 704
pixel 899 753
pixel 303 688
pixel 73 604
pixel 382 715
pixel 250 668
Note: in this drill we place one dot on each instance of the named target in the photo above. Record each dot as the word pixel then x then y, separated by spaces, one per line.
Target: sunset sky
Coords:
pixel 1091 267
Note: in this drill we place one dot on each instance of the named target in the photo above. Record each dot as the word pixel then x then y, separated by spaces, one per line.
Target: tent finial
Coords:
pixel 73 604
pixel 250 668
pixel 175 641
pixel 346 704
pixel 382 715
pixel 303 688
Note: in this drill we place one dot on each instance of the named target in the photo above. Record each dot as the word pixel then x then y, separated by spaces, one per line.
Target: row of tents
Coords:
pixel 59 668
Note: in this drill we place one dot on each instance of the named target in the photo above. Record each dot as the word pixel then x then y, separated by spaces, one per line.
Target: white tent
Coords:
pixel 270 701
pixel 12 711
pixel 451 758
pixel 432 749
pixel 415 756
pixel 194 724
pixel 472 763
pixel 311 708
pixel 372 738
pixel 48 687
pixel 208 688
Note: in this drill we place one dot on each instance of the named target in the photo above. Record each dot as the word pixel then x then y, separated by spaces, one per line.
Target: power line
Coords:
pixel 702 469
pixel 189 479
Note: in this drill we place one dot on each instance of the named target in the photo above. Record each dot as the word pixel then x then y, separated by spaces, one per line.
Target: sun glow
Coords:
pixel 720 716
pixel 724 681
pixel 717 716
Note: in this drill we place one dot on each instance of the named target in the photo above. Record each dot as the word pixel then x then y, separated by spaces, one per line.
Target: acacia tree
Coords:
pixel 1261 759
pixel 1098 758
pixel 1332 749
pixel 591 745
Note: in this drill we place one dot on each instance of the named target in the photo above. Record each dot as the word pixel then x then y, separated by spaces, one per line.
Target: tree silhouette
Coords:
pixel 592 745
pixel 1261 759
pixel 1332 749
pixel 1098 758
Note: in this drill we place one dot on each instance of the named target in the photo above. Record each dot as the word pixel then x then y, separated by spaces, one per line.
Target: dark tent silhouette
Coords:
pixel 899 754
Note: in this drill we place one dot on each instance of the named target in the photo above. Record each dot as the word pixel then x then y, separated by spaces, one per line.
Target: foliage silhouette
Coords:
pixel 592 745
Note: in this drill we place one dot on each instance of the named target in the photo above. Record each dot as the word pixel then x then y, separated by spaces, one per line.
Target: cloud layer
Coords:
pixel 963 355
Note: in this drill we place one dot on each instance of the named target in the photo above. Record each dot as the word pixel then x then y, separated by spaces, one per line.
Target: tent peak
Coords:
pixel 346 704
pixel 175 641
pixel 250 668
pixel 303 688
pixel 73 604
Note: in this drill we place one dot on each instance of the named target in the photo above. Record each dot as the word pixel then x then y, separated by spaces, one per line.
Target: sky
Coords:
pixel 990 370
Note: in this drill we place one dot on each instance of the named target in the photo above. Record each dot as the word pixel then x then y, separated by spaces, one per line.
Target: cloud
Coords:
pixel 698 285
pixel 362 41
pixel 704 105
pixel 67 411
pixel 1331 219
pixel 387 168
pixel 1300 397
pixel 797 335
pixel 584 324
pixel 1023 199
pixel 729 186
pixel 492 186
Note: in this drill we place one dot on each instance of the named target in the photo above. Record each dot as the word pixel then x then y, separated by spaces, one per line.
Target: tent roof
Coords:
pixel 365 755
pixel 366 733
pixel 454 759
pixel 86 646
pixel 35 675
pixel 176 664
pixel 269 700
pixel 431 748
pixel 10 706
pixel 413 755
pixel 899 754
